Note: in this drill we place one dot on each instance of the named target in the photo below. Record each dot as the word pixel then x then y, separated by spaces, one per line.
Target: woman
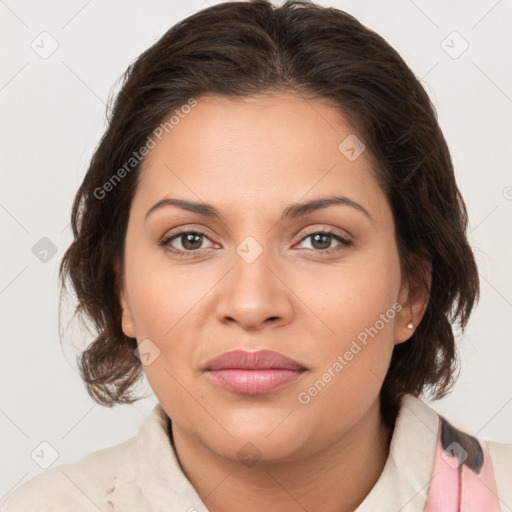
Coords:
pixel 271 232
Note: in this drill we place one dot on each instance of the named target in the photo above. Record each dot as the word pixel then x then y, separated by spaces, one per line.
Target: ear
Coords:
pixel 414 297
pixel 126 314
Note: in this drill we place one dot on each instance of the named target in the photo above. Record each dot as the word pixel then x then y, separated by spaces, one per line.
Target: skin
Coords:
pixel 250 158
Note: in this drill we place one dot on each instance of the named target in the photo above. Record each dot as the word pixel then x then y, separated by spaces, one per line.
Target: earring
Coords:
pixel 410 325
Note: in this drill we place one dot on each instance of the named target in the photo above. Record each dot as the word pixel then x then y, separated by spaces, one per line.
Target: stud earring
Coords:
pixel 410 325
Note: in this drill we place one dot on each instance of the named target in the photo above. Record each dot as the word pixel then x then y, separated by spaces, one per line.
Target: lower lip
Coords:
pixel 254 382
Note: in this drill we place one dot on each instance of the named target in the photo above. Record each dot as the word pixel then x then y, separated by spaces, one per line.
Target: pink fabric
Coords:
pixel 457 488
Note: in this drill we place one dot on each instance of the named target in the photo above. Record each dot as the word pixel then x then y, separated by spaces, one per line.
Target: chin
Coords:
pixel 250 450
pixel 261 436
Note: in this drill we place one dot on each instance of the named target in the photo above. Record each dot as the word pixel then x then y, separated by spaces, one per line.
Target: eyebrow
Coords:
pixel 292 211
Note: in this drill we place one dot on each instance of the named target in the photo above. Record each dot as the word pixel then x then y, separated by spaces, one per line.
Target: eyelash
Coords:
pixel 345 242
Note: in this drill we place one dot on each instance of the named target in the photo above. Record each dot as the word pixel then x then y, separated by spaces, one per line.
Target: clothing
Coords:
pixel 143 473
pixel 462 477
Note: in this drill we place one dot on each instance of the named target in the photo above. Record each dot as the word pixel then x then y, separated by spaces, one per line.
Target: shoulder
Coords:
pixel 416 423
pixel 501 456
pixel 80 485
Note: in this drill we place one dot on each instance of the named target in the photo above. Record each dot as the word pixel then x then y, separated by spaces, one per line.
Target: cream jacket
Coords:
pixel 143 473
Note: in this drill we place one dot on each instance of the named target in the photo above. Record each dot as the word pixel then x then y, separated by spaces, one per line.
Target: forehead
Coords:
pixel 268 148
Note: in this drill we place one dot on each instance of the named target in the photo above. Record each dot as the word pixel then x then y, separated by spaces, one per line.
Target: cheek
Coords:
pixel 352 297
pixel 162 304
pixel 167 304
pixel 357 304
pixel 351 363
pixel 161 293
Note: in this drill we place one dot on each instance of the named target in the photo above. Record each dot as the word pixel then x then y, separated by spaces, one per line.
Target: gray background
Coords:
pixel 53 114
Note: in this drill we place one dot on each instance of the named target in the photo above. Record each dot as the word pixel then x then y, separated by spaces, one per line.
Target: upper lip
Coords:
pixel 244 360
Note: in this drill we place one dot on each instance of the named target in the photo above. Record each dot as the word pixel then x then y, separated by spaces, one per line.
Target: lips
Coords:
pixel 253 373
pixel 243 360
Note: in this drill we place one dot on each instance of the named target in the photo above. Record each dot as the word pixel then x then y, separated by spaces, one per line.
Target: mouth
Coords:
pixel 253 373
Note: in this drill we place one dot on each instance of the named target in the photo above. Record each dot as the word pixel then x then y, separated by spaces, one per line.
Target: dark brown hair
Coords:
pixel 237 49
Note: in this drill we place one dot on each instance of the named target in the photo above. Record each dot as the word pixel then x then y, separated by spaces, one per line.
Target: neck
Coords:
pixel 336 479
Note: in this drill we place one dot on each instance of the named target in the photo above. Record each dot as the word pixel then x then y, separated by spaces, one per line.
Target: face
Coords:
pixel 320 285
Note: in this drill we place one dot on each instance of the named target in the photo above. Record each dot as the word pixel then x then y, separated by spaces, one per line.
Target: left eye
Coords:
pixel 321 240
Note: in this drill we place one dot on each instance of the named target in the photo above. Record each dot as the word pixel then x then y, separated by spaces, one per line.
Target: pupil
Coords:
pixel 189 240
pixel 326 238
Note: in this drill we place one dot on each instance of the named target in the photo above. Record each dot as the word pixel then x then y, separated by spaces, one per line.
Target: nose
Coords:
pixel 255 294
